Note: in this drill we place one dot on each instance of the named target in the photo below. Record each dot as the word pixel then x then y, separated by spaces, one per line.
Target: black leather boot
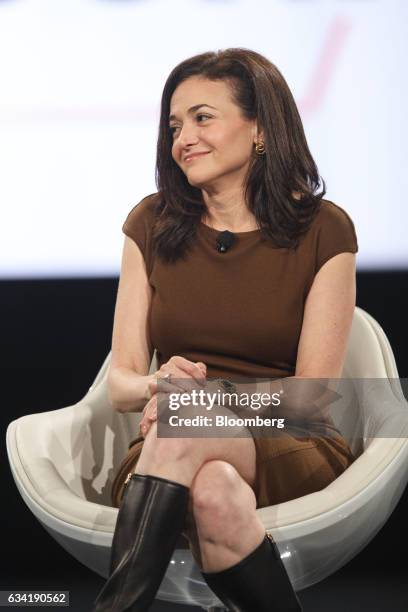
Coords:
pixel 150 519
pixel 257 583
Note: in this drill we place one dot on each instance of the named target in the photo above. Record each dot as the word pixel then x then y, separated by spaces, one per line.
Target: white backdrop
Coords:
pixel 81 82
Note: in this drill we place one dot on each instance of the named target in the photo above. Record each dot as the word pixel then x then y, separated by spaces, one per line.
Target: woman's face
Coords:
pixel 204 119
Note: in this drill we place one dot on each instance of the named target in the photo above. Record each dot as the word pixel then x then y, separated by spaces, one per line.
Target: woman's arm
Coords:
pixel 327 319
pixel 127 390
pixel 128 377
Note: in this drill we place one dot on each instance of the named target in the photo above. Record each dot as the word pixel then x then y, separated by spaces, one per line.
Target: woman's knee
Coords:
pixel 220 496
pixel 194 453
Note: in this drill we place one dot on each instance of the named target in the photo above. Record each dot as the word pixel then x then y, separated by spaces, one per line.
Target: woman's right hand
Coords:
pixel 149 415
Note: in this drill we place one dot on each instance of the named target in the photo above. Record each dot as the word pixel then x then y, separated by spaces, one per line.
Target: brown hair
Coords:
pixel 280 187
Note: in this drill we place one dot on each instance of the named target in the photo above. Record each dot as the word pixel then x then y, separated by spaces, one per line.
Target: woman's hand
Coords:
pixel 185 375
pixel 149 415
pixel 180 368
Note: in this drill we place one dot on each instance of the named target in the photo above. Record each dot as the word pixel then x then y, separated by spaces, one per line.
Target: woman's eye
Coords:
pixel 175 127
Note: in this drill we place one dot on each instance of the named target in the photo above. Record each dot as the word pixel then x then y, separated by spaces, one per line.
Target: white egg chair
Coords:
pixel 64 461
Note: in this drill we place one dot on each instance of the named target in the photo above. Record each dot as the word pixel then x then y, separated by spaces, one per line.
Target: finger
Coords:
pixel 202 366
pixel 150 405
pixel 183 370
pixel 161 377
pixel 189 367
pixel 151 402
pixel 178 382
pixel 151 414
pixel 152 386
pixel 192 378
pixel 178 386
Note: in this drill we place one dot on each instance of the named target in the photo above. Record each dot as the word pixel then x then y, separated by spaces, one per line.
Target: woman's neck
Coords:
pixel 228 213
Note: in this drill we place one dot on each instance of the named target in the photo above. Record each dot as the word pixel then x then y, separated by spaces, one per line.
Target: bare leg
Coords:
pixel 224 526
pixel 179 459
pixel 220 473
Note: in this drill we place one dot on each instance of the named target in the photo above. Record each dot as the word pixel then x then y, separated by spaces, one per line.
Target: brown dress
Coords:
pixel 241 313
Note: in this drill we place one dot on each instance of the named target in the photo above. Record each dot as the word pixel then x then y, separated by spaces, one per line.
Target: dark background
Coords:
pixel 55 335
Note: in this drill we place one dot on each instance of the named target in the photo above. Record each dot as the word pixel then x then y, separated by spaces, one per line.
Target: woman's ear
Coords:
pixel 258 134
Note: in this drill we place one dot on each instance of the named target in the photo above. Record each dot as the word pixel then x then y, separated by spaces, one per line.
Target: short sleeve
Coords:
pixel 335 234
pixel 138 226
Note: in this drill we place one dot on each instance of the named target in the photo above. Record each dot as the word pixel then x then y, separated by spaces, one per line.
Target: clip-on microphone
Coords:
pixel 225 240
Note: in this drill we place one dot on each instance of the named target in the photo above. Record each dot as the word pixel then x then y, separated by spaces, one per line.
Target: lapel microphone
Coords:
pixel 224 241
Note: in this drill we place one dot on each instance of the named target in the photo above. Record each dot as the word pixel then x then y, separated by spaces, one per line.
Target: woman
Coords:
pixel 278 303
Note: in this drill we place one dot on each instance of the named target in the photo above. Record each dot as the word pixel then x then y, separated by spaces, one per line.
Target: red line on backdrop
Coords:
pixel 323 72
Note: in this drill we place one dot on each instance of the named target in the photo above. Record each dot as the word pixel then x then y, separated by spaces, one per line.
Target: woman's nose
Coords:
pixel 188 135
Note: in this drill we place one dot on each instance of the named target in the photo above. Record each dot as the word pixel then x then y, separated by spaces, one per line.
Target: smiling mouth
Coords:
pixel 195 156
